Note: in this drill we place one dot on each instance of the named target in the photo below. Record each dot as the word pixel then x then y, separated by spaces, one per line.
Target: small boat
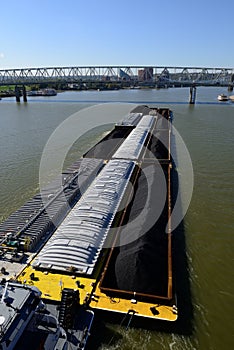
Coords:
pixel 49 92
pixel 223 97
pixel 231 98
pixel 43 92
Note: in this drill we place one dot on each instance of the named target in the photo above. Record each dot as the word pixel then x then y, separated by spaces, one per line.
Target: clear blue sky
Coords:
pixel 38 33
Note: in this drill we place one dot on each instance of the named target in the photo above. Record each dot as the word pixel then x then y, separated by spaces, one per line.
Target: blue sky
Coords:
pixel 44 33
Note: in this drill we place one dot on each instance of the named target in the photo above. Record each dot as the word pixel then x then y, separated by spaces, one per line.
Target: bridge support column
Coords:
pixel 192 94
pixel 17 93
pixel 24 94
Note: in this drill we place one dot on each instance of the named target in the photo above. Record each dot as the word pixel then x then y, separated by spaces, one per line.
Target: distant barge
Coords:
pixel 116 263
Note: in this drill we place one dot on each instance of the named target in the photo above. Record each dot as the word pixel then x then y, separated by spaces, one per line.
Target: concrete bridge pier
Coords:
pixel 20 91
pixel 24 94
pixel 17 93
pixel 192 94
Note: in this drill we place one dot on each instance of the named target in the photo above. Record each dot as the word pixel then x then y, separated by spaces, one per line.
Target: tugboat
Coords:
pixel 26 319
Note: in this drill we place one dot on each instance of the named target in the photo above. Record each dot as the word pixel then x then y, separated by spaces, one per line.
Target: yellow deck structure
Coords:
pixel 51 284
pixel 159 311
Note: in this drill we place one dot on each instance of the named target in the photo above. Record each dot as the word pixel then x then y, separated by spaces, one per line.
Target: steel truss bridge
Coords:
pixel 132 74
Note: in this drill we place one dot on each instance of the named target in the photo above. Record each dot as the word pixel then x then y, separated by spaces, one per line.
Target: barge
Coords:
pixel 107 241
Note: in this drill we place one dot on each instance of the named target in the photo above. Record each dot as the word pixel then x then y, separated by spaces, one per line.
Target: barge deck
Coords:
pixel 93 250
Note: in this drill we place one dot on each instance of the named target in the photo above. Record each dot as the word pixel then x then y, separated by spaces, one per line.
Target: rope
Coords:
pixel 132 312
pixel 130 319
pixel 121 323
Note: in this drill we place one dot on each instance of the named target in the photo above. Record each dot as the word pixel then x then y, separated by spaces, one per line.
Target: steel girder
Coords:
pixel 112 73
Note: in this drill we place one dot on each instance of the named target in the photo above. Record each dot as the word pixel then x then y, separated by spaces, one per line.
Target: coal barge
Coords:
pixel 100 249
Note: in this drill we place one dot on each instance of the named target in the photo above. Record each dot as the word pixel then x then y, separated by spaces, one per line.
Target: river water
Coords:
pixel 207 129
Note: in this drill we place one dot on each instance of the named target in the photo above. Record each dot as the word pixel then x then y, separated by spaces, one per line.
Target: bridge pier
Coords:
pixel 24 94
pixel 192 94
pixel 18 93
